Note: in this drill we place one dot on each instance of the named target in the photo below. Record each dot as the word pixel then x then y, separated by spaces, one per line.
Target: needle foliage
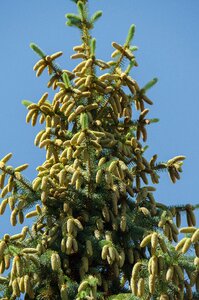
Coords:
pixel 97 231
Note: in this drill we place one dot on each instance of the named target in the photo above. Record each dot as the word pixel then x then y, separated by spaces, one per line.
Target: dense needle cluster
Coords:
pixel 98 232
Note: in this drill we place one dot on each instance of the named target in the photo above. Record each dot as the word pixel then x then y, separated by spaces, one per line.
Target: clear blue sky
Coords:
pixel 168 39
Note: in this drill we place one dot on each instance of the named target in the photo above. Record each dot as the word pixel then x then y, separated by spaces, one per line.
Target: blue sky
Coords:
pixel 168 40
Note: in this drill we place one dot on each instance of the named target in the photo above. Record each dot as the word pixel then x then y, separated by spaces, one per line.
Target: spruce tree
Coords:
pixel 97 232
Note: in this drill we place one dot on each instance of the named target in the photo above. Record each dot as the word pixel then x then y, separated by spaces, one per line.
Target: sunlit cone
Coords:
pixel 55 262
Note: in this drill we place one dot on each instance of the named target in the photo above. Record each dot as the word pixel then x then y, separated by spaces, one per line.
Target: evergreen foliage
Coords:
pixel 98 233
